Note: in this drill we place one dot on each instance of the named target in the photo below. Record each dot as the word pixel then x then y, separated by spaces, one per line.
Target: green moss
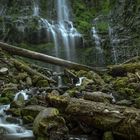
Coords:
pixel 102 26
pixel 42 83
pixel 28 119
pixel 9 93
pixel 108 136
pixel 4 100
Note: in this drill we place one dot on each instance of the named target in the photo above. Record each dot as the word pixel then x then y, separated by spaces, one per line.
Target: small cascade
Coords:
pixel 59 81
pixel 13 131
pixel 99 53
pixel 2 113
pixel 22 94
pixel 114 44
pixel 80 81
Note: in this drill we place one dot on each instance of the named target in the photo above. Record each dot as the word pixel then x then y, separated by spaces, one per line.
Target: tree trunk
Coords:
pixel 123 121
pixel 45 58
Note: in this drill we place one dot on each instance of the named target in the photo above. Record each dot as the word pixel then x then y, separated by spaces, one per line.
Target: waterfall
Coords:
pixel 21 95
pixel 36 8
pixel 99 53
pixel 113 43
pixel 61 31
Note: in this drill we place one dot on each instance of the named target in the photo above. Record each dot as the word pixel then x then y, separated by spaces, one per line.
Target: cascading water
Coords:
pixel 13 131
pixel 21 94
pixel 36 8
pixel 62 31
pixel 99 54
pixel 113 43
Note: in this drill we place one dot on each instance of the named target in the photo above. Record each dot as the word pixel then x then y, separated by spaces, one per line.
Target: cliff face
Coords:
pixel 125 22
pixel 117 24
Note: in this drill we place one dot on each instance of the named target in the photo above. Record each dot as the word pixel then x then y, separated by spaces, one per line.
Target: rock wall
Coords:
pixel 117 23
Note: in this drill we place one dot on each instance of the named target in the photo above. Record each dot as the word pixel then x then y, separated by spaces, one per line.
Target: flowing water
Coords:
pixel 99 50
pixel 61 31
pixel 13 131
pixel 114 44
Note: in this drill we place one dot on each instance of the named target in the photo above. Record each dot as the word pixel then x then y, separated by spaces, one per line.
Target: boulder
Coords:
pixel 97 96
pixel 32 110
pixel 3 71
pixel 50 125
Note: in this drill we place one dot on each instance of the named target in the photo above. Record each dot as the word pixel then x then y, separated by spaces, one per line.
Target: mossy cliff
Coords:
pixel 116 21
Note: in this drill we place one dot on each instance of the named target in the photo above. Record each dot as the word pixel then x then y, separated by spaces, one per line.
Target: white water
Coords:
pixel 99 54
pixel 62 31
pixel 12 131
pixel 23 94
pixel 36 8
pixel 80 81
pixel 113 43
pixel 59 81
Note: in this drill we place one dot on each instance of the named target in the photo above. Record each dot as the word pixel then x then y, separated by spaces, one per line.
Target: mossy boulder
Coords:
pixel 31 111
pixel 42 83
pixel 9 92
pixel 137 102
pixel 4 100
pixel 50 125
pixel 108 136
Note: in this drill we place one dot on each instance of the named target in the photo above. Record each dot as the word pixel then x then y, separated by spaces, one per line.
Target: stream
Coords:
pixel 9 131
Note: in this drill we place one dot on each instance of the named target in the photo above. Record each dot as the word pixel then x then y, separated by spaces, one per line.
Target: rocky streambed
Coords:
pixel 71 105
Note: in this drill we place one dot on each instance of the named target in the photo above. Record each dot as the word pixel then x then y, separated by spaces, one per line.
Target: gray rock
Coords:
pixel 3 71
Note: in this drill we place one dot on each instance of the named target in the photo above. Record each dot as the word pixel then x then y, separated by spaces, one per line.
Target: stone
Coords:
pixel 124 102
pixel 108 136
pixel 97 96
pixel 32 110
pixel 29 81
pixel 3 71
pixel 50 124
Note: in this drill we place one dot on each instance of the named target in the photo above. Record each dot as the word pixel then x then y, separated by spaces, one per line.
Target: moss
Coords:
pixel 102 26
pixel 4 100
pixel 22 76
pixel 28 119
pixel 42 83
pixel 108 136
pixel 126 93
pixel 137 102
pixel 121 82
pixel 9 93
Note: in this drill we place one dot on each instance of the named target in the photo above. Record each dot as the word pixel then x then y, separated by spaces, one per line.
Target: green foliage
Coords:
pixel 102 26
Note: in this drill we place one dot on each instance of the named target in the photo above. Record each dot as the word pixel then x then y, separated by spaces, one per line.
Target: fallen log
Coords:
pixel 45 58
pixel 29 70
pixel 124 122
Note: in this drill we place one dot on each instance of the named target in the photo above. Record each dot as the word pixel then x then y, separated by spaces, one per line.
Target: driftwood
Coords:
pixel 124 122
pixel 29 70
pixel 45 58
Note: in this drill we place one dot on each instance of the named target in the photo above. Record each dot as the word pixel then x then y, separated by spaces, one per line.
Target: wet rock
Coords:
pixel 29 81
pixel 55 92
pixel 32 110
pixel 16 104
pixel 97 96
pixel 108 136
pixel 124 102
pixel 14 120
pixel 42 83
pixel 4 100
pixel 3 71
pixel 22 76
pixel 137 102
pixel 50 125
